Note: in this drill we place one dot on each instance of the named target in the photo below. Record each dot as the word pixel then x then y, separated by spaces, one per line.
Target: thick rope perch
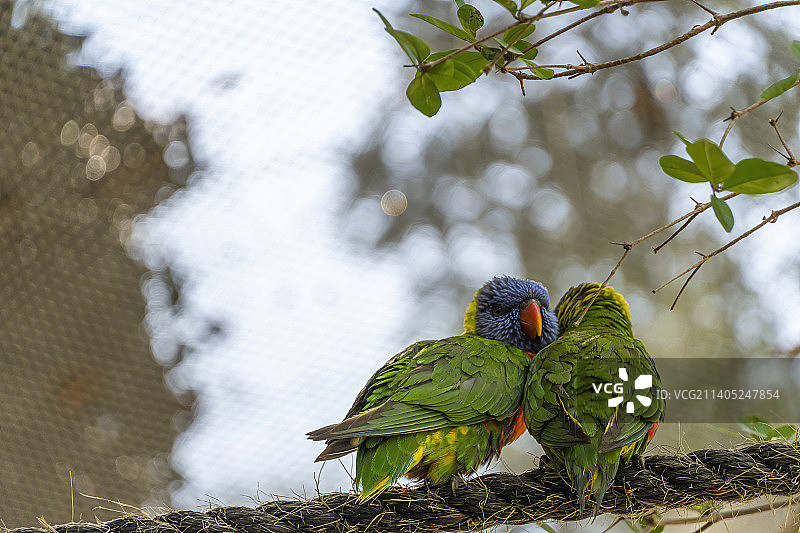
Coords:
pixel 665 482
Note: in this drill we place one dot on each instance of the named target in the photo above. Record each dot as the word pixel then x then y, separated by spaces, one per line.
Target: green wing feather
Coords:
pixel 563 411
pixel 457 381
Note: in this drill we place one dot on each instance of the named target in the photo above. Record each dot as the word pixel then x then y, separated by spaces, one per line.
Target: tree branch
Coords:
pixel 614 5
pixel 791 160
pixel 716 22
pixel 523 20
pixel 736 115
pixel 698 208
pixel 695 267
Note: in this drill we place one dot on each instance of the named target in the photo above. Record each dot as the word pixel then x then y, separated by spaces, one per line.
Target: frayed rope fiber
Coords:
pixel 663 482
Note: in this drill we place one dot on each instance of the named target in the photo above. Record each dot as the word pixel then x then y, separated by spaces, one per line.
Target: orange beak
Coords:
pixel 531 319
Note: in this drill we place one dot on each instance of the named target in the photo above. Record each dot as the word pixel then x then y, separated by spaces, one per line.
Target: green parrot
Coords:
pixel 440 409
pixel 592 396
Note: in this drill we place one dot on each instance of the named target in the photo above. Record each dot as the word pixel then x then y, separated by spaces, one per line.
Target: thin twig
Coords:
pixel 628 248
pixel 698 208
pixel 537 66
pixel 603 3
pixel 792 161
pixel 541 14
pixel 716 22
pixel 736 115
pixel 704 8
pixel 675 301
pixel 675 234
pixel 608 9
pixel 488 68
pixel 766 220
pixel 425 67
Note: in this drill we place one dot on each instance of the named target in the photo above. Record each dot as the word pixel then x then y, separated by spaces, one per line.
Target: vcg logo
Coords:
pixel 643 382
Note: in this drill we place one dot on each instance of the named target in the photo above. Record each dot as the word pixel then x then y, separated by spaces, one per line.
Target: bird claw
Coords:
pixel 455 481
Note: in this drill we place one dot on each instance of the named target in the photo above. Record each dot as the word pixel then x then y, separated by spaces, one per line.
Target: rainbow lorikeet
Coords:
pixel 442 408
pixel 591 397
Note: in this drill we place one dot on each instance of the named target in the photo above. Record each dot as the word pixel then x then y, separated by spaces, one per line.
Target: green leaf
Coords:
pixel 681 169
pixel 525 3
pixel 470 18
pixel 423 94
pixel 520 32
pixel 516 48
pixel 467 67
pixel 685 141
pixel 508 4
pixel 460 3
pixel 530 54
pixel 796 48
pixel 710 160
pixel 757 429
pixel 385 21
pixel 446 26
pixel 779 87
pixel 443 71
pixel 447 78
pixel 472 60
pixel 520 45
pixel 784 432
pixel 415 48
pixel 757 176
pixel 723 213
pixel 490 52
pixel 586 3
pixel 544 73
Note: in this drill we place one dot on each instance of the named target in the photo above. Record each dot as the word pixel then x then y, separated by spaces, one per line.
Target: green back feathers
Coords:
pixel 609 310
pixel 576 425
pixel 435 410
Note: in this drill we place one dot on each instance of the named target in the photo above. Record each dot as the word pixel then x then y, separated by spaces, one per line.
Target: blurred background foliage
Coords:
pixel 536 186
pixel 85 409
pixel 541 185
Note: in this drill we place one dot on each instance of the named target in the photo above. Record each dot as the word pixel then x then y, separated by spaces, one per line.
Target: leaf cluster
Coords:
pixel 710 164
pixel 454 69
pixel 755 428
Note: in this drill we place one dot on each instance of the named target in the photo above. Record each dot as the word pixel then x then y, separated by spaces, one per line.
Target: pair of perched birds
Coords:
pixel 441 409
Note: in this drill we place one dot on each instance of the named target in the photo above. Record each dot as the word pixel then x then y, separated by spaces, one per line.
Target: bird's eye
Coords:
pixel 498 310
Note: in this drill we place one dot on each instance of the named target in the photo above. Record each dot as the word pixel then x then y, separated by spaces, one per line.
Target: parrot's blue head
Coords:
pixel 514 311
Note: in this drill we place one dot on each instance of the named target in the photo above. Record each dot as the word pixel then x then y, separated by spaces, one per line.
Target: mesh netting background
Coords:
pixel 82 401
pixel 274 285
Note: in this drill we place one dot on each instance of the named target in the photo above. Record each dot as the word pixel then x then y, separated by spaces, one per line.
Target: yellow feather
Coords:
pixel 627 451
pixel 377 489
pixel 418 455
pixel 469 318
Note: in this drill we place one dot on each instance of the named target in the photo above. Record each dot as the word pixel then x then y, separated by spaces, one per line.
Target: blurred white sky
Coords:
pixel 272 91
